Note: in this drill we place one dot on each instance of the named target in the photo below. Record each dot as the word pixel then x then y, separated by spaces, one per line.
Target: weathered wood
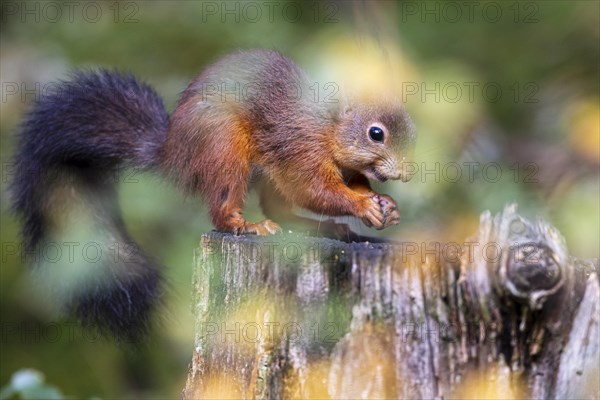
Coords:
pixel 506 314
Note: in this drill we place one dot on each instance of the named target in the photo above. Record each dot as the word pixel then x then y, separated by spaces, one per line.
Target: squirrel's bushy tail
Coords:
pixel 71 147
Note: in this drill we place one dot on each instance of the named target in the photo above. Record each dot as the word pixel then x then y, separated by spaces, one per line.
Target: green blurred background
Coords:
pixel 513 86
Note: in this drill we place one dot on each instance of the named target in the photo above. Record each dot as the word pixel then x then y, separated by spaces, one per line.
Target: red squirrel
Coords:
pixel 250 114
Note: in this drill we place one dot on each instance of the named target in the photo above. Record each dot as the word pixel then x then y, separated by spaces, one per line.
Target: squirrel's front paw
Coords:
pixel 373 214
pixel 381 212
pixel 262 228
pixel 391 214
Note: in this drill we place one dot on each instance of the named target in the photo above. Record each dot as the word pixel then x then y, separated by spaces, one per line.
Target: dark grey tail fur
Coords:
pixel 79 136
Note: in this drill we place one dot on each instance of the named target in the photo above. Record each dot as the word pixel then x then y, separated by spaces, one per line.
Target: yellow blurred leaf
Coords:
pixel 584 129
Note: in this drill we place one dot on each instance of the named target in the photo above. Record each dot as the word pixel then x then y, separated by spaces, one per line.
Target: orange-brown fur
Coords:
pixel 313 154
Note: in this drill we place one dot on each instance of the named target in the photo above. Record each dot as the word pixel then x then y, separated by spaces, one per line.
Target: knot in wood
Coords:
pixel 533 272
pixel 533 266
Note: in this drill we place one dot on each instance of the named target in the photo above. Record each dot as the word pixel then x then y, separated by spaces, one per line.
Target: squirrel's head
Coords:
pixel 377 139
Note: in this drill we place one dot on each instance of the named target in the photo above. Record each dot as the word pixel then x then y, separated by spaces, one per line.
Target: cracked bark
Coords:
pixel 508 314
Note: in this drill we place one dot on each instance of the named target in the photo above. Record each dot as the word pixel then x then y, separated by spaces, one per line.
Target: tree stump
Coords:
pixel 506 314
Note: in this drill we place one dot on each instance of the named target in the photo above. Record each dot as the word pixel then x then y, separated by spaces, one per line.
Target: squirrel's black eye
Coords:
pixel 376 134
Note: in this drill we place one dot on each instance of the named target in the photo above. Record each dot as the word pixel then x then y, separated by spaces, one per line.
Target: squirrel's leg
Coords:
pixel 333 196
pixel 229 191
pixel 277 207
pixel 324 192
pixel 226 208
pixel 359 183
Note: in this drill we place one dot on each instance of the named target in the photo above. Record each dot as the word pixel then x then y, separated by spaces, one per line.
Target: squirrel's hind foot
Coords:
pixel 262 228
pixel 235 223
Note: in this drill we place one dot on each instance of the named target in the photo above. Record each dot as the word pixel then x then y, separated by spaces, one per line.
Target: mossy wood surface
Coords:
pixel 507 314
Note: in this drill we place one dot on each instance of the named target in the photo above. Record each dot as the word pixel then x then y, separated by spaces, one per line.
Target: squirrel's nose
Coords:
pixel 405 171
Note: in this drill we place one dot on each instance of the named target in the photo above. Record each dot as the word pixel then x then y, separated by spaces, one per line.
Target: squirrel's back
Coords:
pixel 263 84
pixel 259 100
